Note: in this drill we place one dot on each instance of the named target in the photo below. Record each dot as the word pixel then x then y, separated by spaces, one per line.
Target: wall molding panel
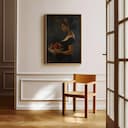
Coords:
pixel 6 78
pixel 3 31
pixel 37 85
pixel 44 92
pixel 7 31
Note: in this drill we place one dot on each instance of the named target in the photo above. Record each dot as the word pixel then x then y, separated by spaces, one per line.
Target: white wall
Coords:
pixel 30 43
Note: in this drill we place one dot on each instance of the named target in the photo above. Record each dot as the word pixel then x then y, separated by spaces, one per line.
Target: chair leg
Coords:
pixel 94 98
pixel 74 104
pixel 63 105
pixel 74 99
pixel 86 102
pixel 63 100
pixel 94 104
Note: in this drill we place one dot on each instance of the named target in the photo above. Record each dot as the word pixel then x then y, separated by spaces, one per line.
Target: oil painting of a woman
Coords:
pixel 63 39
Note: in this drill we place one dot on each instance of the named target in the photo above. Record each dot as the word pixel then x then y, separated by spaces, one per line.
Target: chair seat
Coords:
pixel 78 94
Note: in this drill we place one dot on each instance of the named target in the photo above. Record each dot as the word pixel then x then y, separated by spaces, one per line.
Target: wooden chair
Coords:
pixel 87 80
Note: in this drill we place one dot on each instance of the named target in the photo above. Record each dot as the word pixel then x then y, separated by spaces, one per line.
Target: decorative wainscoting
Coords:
pixel 44 92
pixel 7 46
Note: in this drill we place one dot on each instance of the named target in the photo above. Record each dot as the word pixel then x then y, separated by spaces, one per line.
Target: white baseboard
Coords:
pixel 100 105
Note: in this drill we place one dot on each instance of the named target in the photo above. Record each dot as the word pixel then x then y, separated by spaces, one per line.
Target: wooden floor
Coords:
pixel 50 119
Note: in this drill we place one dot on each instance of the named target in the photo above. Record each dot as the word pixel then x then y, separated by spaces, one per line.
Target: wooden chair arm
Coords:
pixel 73 81
pixel 94 82
pixel 69 82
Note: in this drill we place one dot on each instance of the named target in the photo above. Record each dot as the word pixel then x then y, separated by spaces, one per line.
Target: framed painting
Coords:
pixel 62 38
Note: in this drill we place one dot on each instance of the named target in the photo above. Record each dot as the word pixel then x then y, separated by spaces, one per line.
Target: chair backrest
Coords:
pixel 84 78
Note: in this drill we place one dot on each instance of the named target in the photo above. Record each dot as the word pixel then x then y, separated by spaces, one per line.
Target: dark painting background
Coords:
pixel 54 33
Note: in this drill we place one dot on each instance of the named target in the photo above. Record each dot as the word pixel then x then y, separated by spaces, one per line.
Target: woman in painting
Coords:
pixel 63 50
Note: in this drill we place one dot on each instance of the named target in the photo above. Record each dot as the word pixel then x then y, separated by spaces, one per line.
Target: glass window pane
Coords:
pixel 111 47
pixel 126 39
pixel 111 105
pixel 111 14
pixel 108 15
pixel 126 81
pixel 126 114
pixel 108 76
pixel 108 86
pixel 121 9
pixel 111 76
pixel 126 8
pixel 121 113
pixel 108 49
pixel 121 41
pixel 108 103
pixel 121 78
